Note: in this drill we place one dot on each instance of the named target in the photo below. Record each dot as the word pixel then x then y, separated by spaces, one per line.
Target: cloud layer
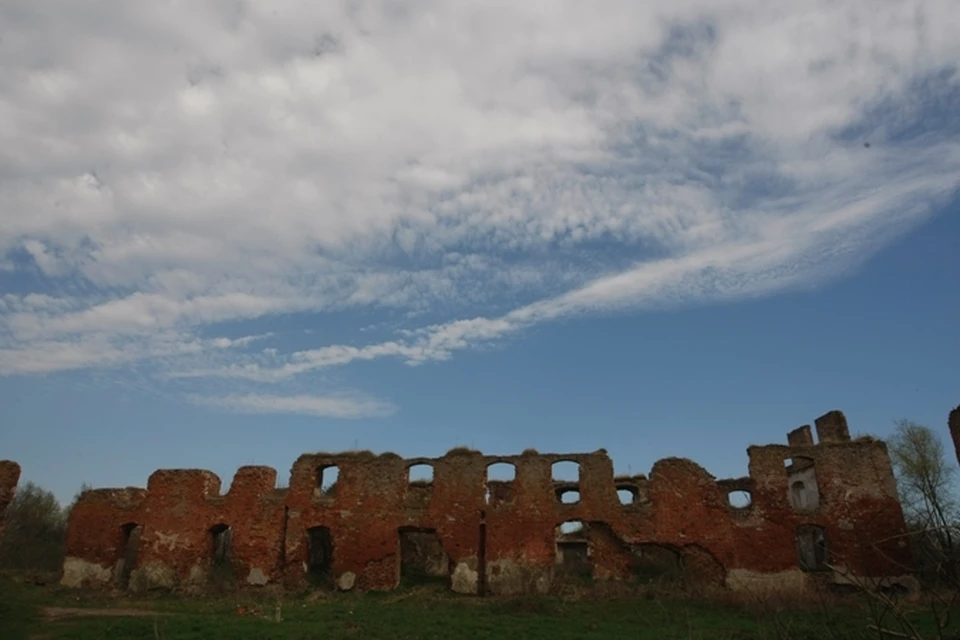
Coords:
pixel 334 406
pixel 462 170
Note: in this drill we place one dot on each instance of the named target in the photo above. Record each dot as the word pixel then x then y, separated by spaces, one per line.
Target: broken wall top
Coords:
pixel 365 473
pixel 953 423
pixel 9 477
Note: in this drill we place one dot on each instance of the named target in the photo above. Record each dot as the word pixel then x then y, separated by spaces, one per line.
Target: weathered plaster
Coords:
pixel 790 580
pixel 80 573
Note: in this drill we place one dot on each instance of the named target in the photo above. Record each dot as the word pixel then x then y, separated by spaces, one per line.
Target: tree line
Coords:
pixel 34 539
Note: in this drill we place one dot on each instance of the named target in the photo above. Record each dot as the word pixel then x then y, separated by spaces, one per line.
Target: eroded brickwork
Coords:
pixel 9 477
pixel 810 504
pixel 953 422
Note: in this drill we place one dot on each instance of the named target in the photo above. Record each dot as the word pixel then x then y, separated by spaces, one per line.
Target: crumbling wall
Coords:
pixel 95 535
pixel 9 477
pixel 501 536
pixel 184 513
pixel 857 508
pixel 953 422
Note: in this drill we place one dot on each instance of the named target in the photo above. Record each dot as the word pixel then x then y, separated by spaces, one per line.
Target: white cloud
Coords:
pixel 334 406
pixel 226 343
pixel 471 168
pixel 97 350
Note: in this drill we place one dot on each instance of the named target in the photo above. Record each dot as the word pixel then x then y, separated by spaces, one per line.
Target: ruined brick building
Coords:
pixel 804 505
pixel 9 477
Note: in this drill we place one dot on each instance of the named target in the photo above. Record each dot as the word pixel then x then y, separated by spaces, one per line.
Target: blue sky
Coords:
pixel 667 229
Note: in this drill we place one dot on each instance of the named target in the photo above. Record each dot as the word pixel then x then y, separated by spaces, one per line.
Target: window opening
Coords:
pixel 421 473
pixel 326 480
pixel 499 482
pixel 803 493
pixel 740 499
pixel 573 557
pixel 566 471
pixel 222 538
pixel 811 548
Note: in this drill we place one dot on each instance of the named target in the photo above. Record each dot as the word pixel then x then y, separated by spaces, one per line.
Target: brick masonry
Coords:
pixel 501 537
pixel 9 477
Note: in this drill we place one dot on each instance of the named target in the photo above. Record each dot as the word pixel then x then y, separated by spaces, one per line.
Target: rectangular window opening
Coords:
pixel 812 548
pixel 326 481
pixel 222 539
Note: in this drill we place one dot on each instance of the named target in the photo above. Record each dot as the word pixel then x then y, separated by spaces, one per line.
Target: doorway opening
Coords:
pixel 573 550
pixel 319 557
pixel 422 557
pixel 129 547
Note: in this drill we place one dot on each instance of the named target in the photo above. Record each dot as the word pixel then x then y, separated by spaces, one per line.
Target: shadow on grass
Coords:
pixel 426 609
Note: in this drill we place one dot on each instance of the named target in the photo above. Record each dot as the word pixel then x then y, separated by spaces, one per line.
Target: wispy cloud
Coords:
pixel 776 260
pixel 161 179
pixel 334 406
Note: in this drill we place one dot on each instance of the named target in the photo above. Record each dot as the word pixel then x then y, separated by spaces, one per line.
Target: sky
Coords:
pixel 233 232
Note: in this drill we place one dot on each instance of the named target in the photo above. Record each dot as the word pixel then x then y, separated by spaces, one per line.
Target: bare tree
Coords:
pixel 925 480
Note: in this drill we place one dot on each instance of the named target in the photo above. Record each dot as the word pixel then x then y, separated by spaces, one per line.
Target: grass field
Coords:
pixel 421 612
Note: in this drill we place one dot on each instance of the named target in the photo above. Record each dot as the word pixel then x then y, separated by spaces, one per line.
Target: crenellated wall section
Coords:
pixel 816 511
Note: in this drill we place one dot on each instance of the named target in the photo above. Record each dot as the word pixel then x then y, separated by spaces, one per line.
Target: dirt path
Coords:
pixel 58 613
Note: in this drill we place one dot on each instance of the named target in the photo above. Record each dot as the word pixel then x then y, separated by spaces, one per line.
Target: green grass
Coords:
pixel 423 612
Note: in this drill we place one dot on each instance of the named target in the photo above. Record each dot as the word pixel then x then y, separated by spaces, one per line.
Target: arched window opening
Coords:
pixel 421 473
pixel 566 481
pixel 573 554
pixel 566 471
pixel 499 482
pixel 419 485
pixel 803 493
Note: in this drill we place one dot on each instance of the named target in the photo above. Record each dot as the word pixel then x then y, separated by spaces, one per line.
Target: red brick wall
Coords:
pixel 9 477
pixel 687 509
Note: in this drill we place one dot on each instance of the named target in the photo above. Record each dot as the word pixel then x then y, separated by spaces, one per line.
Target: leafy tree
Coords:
pixel 35 531
pixel 925 480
